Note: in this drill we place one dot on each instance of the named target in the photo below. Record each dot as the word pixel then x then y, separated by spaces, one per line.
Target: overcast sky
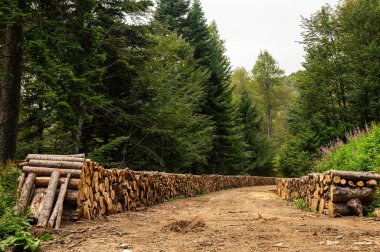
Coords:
pixel 249 26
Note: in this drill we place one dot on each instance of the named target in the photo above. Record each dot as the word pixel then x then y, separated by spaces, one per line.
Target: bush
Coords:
pixel 8 187
pixel 299 203
pixel 361 153
pixel 370 209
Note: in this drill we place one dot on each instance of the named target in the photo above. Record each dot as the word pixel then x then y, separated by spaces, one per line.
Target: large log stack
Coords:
pixel 108 191
pixel 337 193
pixel 74 187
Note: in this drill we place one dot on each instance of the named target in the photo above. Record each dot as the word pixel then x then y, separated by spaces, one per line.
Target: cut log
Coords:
pixel 355 175
pixel 56 214
pixel 48 200
pixel 351 183
pixel 356 206
pixel 343 182
pixel 36 204
pixel 23 164
pixel 338 209
pixel 371 183
pixel 336 179
pixel 71 195
pixel 44 171
pixel 54 157
pixel 56 164
pixel 44 181
pixel 25 194
pixel 315 204
pixel 346 193
pixel 322 206
pixel 20 182
pixel 360 183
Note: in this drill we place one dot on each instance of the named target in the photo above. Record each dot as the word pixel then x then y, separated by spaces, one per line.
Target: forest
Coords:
pixel 147 85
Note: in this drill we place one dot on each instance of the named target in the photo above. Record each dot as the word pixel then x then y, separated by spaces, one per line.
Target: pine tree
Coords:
pixel 228 153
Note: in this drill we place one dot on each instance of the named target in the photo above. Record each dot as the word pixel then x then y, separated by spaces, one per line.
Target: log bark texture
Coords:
pixel 25 194
pixel 48 200
pixel 44 171
pixel 56 164
pixel 56 214
pixel 338 194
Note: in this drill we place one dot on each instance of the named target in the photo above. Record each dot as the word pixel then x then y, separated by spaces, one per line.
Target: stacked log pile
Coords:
pixel 49 185
pixel 73 187
pixel 108 191
pixel 337 193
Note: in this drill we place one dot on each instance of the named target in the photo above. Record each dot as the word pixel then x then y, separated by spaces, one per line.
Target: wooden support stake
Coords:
pixel 25 194
pixel 59 203
pixel 48 200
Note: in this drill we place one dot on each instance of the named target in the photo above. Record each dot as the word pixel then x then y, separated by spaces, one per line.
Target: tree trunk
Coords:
pixel 10 91
pixel 269 124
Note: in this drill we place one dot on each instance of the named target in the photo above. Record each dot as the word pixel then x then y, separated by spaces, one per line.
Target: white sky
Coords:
pixel 249 26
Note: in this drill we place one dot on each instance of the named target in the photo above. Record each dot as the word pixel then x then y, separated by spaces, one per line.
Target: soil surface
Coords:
pixel 243 219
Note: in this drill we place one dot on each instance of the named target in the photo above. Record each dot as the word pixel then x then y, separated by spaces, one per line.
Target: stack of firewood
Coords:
pixel 70 186
pixel 337 193
pixel 108 191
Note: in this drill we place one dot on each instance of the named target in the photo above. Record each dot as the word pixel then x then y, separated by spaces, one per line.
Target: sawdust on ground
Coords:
pixel 243 219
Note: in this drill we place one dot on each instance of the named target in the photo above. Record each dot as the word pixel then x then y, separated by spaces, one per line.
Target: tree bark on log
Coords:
pixel 43 171
pixel 74 157
pixel 21 181
pixel 56 164
pixel 48 200
pixel 44 182
pixel 36 204
pixel 338 194
pixel 337 209
pixel 25 194
pixel 59 204
pixel 355 175
pixel 356 206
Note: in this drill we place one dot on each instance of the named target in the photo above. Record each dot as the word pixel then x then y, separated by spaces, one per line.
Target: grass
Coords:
pixel 14 229
pixel 299 203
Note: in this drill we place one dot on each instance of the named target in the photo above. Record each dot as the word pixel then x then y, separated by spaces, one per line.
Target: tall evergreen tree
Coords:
pixel 228 153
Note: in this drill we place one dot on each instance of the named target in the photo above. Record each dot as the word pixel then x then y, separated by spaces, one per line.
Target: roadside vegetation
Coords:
pixel 15 231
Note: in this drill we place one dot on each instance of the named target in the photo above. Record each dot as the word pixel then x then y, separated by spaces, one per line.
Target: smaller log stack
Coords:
pixel 337 193
pixel 47 182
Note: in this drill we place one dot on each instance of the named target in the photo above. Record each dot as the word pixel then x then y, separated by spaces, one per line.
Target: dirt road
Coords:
pixel 244 219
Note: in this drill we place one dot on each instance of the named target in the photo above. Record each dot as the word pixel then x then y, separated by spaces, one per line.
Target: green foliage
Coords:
pixel 14 230
pixel 337 88
pixel 24 240
pixel 361 153
pixel 258 144
pixel 11 224
pixel 227 155
pixel 299 203
pixel 370 209
pixel 8 187
pixel 292 160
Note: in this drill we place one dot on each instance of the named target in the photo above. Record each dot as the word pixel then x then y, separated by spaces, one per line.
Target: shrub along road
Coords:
pixel 243 219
